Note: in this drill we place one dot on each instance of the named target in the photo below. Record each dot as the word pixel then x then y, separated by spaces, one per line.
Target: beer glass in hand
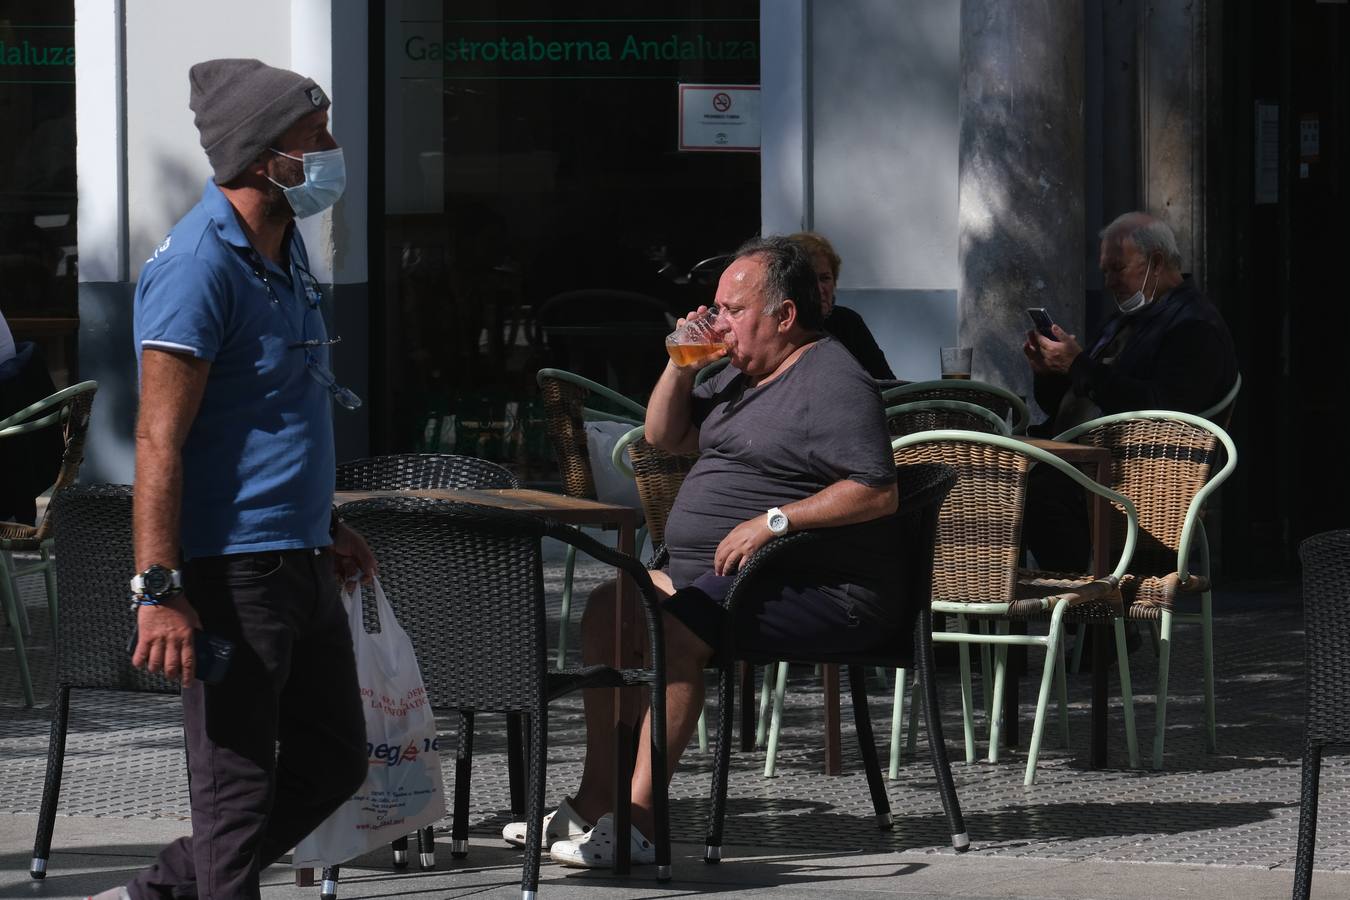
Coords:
pixel 697 341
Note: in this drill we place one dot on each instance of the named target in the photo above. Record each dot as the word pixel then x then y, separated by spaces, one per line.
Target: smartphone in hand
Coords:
pixel 1041 321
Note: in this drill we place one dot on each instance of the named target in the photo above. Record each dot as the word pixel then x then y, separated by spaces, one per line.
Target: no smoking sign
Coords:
pixel 719 117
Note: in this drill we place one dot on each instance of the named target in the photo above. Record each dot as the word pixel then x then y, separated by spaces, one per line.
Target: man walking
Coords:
pixel 234 484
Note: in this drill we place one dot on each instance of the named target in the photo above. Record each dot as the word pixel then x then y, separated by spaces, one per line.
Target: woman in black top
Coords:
pixel 845 324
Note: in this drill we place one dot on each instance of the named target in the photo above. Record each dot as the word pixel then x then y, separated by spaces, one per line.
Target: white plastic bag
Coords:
pixel 403 790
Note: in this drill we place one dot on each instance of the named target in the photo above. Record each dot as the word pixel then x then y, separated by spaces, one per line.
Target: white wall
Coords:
pixel 884 135
pixel 861 143
pixel 166 166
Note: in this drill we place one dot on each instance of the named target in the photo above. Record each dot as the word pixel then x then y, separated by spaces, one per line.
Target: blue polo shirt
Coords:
pixel 258 462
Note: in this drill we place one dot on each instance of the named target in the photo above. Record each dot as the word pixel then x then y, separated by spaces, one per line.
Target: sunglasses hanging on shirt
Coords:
pixel 344 397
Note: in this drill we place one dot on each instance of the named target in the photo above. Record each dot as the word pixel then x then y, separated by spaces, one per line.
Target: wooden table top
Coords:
pixel 569 510
pixel 1068 451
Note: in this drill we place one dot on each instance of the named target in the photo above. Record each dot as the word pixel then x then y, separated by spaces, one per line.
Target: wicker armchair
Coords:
pixel 658 474
pixel 67 410
pixel 922 489
pixel 1003 402
pixel 1164 462
pixel 410 471
pixel 912 418
pixel 466 583
pixel 566 397
pixel 975 569
pixel 1326 614
pixel 92 531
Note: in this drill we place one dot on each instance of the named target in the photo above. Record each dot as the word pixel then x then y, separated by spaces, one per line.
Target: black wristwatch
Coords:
pixel 156 585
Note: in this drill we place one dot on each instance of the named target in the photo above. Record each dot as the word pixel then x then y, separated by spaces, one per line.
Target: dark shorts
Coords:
pixel 782 618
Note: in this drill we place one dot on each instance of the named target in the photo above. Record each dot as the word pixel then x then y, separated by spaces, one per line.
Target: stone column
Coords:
pixel 1172 104
pixel 1020 206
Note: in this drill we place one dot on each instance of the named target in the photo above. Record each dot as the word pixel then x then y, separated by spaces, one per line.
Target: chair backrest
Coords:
pixel 979 541
pixel 1164 462
pixel 565 397
pixel 409 471
pixel 979 529
pixel 94 560
pixel 466 584
pixel 932 415
pixel 1326 616
pixel 658 474
pixel 67 411
pixel 1002 401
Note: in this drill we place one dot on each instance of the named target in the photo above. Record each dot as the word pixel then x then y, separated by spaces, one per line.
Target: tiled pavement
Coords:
pixel 1236 808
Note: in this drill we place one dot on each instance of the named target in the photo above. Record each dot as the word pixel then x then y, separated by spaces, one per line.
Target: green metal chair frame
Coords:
pixel 999 399
pixel 69 410
pixel 566 413
pixel 1191 576
pixel 971 579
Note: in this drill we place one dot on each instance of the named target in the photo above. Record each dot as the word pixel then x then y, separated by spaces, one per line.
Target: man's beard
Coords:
pixel 275 205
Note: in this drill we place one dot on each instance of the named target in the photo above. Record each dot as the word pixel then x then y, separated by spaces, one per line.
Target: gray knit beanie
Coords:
pixel 243 106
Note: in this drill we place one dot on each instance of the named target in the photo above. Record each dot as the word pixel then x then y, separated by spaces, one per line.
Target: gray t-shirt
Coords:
pixel 820 422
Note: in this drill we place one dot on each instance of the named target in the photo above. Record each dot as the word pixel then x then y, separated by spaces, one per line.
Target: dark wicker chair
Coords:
pixel 466 583
pixel 92 526
pixel 410 471
pixel 922 489
pixel 67 412
pixel 1003 402
pixel 1326 615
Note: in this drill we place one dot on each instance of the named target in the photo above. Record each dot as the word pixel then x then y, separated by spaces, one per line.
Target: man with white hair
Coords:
pixel 1166 347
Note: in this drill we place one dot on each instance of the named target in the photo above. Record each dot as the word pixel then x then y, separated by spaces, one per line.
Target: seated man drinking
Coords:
pixel 791 436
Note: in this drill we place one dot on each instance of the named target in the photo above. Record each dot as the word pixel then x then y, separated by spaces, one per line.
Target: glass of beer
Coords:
pixel 696 341
pixel 956 362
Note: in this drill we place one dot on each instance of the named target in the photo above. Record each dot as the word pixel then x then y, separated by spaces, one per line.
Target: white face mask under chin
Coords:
pixel 1137 300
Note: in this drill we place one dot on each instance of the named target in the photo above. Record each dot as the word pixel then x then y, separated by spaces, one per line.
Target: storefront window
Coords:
pixel 538 210
pixel 37 178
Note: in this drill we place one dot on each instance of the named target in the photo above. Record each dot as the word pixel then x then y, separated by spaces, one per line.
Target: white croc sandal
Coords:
pixel 563 824
pixel 596 849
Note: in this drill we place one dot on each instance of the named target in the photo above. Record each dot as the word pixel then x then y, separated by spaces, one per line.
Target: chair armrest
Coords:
pixel 1100 590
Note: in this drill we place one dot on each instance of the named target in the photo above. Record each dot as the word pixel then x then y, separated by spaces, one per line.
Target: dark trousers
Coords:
pixel 278 744
pixel 1056 528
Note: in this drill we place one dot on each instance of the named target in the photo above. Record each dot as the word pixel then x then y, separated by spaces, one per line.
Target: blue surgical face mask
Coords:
pixel 325 179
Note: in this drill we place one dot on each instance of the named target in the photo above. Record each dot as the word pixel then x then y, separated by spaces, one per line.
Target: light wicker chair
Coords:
pixel 68 411
pixel 466 583
pixel 911 418
pixel 1326 616
pixel 1163 461
pixel 975 569
pixel 922 489
pixel 92 531
pixel 569 402
pixel 1005 404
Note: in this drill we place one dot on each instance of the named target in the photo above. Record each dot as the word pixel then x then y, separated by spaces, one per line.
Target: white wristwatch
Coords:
pixel 777 521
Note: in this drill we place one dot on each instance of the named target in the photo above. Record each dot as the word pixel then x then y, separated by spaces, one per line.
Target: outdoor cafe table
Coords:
pixel 569 511
pixel 1098 460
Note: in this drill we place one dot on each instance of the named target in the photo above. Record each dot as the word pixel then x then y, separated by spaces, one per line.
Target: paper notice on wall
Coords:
pixel 717 117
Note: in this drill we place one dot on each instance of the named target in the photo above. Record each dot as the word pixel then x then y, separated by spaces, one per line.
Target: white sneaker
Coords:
pixel 596 849
pixel 563 824
pixel 117 893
